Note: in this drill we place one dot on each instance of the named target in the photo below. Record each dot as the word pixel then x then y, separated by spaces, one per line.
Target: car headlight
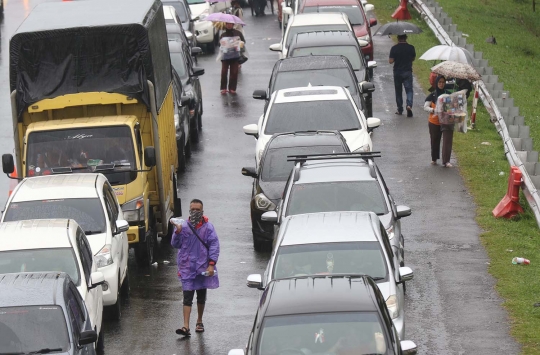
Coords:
pixel 104 257
pixel 365 38
pixel 393 307
pixel 263 203
pixel 134 210
pixel 364 148
pixel 390 232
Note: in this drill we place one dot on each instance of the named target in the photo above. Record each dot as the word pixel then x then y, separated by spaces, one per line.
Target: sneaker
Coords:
pixel 409 111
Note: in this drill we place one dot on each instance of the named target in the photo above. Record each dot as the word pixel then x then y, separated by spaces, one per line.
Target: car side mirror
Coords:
pixel 236 352
pixel 276 47
pixel 8 165
pixel 407 347
pixel 373 123
pixel 196 50
pixel 255 281
pixel 189 35
pixel 121 226
pixel 405 274
pixel 252 130
pixel 249 171
pixel 96 279
pixel 366 86
pixel 363 42
pixel 372 20
pixel 287 10
pixel 403 211
pixel 270 216
pixel 87 337
pixel 371 64
pixel 198 71
pixel 259 94
pixel 149 157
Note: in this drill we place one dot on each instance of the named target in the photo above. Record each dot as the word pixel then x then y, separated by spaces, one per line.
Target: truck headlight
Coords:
pixel 134 210
pixel 104 257
pixel 393 307
pixel 263 203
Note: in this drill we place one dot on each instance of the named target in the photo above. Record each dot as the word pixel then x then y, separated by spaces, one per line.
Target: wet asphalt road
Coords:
pixel 451 305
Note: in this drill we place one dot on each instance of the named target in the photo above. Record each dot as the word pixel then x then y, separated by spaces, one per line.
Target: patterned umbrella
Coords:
pixel 444 52
pixel 221 17
pixel 458 70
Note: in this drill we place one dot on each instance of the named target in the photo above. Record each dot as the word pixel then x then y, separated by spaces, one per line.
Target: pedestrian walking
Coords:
pixel 237 11
pixel 402 55
pixel 259 6
pixel 436 129
pixel 198 253
pixel 231 44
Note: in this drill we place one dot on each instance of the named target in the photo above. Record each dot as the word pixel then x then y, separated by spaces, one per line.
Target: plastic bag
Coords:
pixel 452 109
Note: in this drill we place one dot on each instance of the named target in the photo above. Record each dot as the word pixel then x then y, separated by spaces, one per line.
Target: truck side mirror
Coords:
pixel 8 165
pixel 149 157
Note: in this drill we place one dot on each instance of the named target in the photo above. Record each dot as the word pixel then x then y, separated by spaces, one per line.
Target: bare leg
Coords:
pixel 200 311
pixel 187 313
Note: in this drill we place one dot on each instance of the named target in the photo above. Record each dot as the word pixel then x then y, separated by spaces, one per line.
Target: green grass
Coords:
pixel 516 59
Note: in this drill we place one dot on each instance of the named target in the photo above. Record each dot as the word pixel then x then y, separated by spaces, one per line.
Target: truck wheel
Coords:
pixel 144 251
pixel 181 155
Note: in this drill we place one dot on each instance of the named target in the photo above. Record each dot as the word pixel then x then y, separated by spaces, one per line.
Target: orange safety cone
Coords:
pixel 509 205
pixel 402 12
pixel 13 182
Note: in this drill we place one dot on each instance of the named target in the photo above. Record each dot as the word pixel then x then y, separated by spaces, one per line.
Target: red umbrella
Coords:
pixel 402 13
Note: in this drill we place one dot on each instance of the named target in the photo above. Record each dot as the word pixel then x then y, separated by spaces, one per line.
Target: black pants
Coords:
pixel 233 78
pixel 436 133
pixel 188 297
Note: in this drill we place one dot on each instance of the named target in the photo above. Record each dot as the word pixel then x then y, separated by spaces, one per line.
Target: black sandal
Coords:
pixel 183 331
pixel 199 327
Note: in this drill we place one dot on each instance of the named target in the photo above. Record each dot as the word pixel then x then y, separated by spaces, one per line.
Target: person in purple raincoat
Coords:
pixel 196 256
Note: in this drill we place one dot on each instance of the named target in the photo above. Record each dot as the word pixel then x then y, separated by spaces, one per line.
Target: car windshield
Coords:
pixel 312 116
pixel 351 52
pixel 293 30
pixel 330 258
pixel 357 333
pixel 191 2
pixel 179 64
pixel 24 330
pixel 180 9
pixel 354 12
pixel 337 196
pixel 39 260
pixel 329 77
pixel 275 166
pixel 83 150
pixel 88 212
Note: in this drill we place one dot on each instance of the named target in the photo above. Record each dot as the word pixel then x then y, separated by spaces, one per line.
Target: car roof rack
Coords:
pixel 300 159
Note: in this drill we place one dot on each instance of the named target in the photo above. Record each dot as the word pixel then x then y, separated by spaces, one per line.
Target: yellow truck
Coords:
pixel 91 91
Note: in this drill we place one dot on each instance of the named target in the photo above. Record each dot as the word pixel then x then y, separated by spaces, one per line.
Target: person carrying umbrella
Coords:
pixel 402 55
pixel 232 42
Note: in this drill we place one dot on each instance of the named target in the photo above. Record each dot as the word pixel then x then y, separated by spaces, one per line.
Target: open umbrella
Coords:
pixel 398 28
pixel 221 17
pixel 458 70
pixel 444 52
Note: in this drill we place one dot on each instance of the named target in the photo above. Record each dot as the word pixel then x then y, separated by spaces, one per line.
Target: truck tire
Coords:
pixel 144 251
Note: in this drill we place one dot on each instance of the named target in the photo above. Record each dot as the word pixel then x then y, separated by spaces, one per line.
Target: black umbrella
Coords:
pixel 398 28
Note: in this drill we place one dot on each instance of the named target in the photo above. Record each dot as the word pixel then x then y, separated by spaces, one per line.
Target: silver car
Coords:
pixel 339 243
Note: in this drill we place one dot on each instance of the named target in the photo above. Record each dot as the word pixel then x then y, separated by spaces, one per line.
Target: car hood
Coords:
pixel 97 241
pixel 197 9
pixel 273 189
pixel 360 30
pixel 357 139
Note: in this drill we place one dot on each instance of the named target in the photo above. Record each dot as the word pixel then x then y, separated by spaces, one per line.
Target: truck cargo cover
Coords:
pixel 90 46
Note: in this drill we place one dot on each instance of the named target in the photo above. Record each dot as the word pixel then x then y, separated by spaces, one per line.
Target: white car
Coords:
pixel 206 32
pixel 310 23
pixel 54 245
pixel 90 200
pixel 311 109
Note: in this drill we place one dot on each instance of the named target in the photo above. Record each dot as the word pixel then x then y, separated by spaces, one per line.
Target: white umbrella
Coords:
pixel 444 52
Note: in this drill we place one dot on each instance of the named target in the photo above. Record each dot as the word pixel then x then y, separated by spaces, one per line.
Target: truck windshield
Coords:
pixel 24 330
pixel 108 150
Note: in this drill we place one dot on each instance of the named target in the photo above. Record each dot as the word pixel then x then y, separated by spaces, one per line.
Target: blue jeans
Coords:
pixel 404 79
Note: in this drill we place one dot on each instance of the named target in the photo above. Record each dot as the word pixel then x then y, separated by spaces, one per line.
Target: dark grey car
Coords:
pixel 43 313
pixel 324 315
pixel 274 169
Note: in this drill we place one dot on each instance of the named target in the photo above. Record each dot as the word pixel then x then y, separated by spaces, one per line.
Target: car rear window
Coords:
pixel 312 116
pixel 293 30
pixel 328 77
pixel 351 52
pixel 354 12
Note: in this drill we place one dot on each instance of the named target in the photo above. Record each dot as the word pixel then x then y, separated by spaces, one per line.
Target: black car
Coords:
pixel 324 314
pixel 43 313
pixel 332 43
pixel 189 77
pixel 274 170
pixel 327 70
pixel 181 122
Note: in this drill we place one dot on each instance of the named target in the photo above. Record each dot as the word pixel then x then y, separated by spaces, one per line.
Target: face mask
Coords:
pixel 195 216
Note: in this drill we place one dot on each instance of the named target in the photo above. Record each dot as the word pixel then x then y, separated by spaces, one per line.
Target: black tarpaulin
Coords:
pixel 88 46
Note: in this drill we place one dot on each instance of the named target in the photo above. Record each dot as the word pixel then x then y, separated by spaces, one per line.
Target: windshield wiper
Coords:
pixel 92 232
pixel 378 278
pixel 44 351
pixel 349 129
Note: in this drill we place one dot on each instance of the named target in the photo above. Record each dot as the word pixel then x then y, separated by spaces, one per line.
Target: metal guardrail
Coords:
pixel 529 189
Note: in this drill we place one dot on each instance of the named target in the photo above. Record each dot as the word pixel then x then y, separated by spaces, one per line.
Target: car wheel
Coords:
pixel 188 147
pixel 211 47
pixel 195 131
pixel 100 344
pixel 201 111
pixel 260 245
pixel 181 155
pixel 125 288
pixel 199 121
pixel 115 311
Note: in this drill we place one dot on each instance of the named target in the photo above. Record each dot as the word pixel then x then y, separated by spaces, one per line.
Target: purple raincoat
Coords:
pixel 193 256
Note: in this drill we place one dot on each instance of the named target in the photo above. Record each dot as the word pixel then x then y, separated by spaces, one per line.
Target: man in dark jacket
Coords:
pixel 402 55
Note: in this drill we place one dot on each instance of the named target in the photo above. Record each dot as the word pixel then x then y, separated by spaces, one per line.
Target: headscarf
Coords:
pixel 438 92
